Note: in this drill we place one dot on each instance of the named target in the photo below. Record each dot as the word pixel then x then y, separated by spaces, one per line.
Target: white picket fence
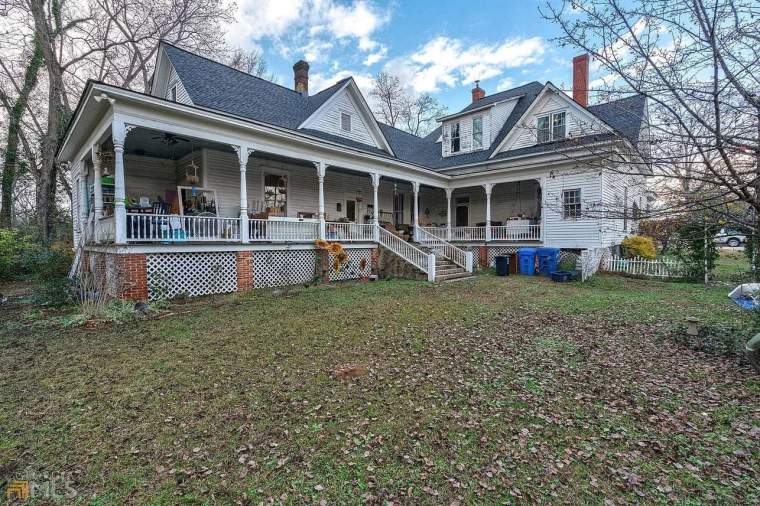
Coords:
pixel 638 266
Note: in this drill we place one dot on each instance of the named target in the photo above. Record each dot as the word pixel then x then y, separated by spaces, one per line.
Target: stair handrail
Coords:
pixel 415 256
pixel 445 248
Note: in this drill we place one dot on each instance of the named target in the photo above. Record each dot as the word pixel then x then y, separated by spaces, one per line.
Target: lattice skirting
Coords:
pixel 283 267
pixel 569 257
pixel 495 251
pixel 190 274
pixel 359 265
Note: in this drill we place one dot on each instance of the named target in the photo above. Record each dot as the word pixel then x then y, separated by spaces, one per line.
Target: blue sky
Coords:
pixel 436 47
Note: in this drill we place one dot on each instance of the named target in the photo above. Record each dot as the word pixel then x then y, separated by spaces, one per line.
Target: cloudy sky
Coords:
pixel 439 47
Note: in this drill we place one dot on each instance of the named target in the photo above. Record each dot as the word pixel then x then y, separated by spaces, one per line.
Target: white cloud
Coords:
pixel 318 81
pixel 445 61
pixel 313 26
pixel 505 84
pixel 377 56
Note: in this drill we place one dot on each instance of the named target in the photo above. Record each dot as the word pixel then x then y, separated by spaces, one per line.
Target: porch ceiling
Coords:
pixel 146 142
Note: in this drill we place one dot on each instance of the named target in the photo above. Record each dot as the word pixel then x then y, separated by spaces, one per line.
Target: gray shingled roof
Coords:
pixel 216 86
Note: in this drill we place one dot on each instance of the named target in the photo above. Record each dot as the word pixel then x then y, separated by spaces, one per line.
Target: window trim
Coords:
pixel 280 173
pixel 343 117
pixel 479 144
pixel 173 93
pixel 575 214
pixel 458 137
pixel 550 127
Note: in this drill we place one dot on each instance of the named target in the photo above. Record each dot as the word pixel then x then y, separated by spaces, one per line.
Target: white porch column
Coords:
pixel 376 204
pixel 449 191
pixel 321 170
pixel 97 174
pixel 416 223
pixel 243 153
pixel 119 132
pixel 488 187
pixel 81 169
pixel 542 183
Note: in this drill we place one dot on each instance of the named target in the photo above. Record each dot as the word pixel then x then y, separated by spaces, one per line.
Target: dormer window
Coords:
pixel 345 122
pixel 550 127
pixel 455 139
pixel 173 94
pixel 477 132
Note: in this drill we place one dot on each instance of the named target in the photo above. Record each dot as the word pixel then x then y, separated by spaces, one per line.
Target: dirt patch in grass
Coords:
pixel 500 390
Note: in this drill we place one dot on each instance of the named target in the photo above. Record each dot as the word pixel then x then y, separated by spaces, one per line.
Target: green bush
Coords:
pixel 693 245
pixel 13 246
pixel 49 267
pixel 638 246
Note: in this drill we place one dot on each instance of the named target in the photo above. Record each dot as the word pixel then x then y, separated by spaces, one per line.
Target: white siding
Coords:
pixel 328 120
pixel 575 125
pixel 222 174
pixel 145 176
pixel 572 233
pixel 182 96
pixel 615 186
pixel 499 115
pixel 465 133
pixel 507 200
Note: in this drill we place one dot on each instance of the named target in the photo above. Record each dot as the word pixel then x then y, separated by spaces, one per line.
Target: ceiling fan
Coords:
pixel 170 139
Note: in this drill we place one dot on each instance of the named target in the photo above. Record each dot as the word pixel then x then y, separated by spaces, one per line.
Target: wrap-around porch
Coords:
pixel 178 189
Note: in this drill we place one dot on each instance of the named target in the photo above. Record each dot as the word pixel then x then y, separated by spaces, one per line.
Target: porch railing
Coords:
pixel 516 233
pixel 498 233
pixel 445 249
pixel 468 233
pixel 175 228
pixel 348 232
pixel 415 256
pixel 283 231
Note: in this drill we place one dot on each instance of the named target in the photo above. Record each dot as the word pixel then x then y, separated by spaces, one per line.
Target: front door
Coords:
pixel 398 210
pixel 462 216
pixel 351 210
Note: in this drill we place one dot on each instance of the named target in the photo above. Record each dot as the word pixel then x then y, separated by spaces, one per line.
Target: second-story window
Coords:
pixel 455 144
pixel 477 132
pixel 173 94
pixel 550 127
pixel 345 122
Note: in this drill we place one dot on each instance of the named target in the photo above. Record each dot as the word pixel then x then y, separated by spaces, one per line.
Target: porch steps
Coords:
pixel 445 269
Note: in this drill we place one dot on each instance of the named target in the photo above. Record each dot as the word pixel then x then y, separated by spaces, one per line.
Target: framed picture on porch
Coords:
pixel 195 201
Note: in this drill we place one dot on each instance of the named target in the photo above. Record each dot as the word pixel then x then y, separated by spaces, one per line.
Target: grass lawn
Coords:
pixel 498 390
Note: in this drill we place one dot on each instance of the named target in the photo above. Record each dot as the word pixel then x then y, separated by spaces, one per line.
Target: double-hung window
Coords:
pixel 571 203
pixel 477 132
pixel 455 139
pixel 550 127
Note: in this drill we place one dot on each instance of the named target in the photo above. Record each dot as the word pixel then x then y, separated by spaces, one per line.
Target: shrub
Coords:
pixel 49 267
pixel 13 247
pixel 694 246
pixel 638 246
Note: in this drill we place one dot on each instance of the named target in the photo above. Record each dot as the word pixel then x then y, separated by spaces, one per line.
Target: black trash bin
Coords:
pixel 502 265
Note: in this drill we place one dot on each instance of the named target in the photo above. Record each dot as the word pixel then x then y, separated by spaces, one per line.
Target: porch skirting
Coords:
pixel 148 273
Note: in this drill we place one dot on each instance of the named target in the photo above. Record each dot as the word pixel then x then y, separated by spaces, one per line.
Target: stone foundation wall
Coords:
pixel 390 265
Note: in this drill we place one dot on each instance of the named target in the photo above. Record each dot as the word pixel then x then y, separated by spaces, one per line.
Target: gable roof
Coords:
pixel 217 86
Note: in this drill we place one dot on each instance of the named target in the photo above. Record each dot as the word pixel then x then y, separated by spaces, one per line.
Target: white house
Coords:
pixel 218 181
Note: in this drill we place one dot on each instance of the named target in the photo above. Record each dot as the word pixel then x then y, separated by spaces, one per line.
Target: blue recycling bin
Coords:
pixel 548 260
pixel 527 260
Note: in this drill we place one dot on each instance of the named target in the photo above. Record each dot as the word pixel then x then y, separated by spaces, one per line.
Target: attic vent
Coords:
pixel 345 122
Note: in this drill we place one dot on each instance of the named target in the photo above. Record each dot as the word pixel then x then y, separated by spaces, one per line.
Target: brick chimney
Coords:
pixel 301 77
pixel 580 79
pixel 478 92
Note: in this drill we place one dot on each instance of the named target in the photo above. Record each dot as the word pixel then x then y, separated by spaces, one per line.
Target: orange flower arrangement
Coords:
pixel 335 248
pixel 321 244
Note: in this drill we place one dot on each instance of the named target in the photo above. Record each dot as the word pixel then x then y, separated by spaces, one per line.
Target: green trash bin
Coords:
pixel 502 265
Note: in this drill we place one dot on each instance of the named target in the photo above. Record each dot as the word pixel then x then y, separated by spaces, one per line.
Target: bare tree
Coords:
pixel 250 61
pixel 109 40
pixel 397 107
pixel 698 64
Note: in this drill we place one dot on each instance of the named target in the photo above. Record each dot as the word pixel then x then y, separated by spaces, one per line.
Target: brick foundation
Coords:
pixel 483 257
pixel 244 271
pixel 133 272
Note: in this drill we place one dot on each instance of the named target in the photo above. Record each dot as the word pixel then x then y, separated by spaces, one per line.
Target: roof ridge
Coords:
pixel 402 131
pixel 634 95
pixel 513 89
pixel 228 66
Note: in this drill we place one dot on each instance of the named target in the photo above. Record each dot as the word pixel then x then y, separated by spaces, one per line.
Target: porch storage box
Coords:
pixel 548 260
pixel 527 258
pixel 502 265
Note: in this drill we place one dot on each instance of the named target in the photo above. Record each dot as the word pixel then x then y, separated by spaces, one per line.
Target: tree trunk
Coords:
pixel 15 114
